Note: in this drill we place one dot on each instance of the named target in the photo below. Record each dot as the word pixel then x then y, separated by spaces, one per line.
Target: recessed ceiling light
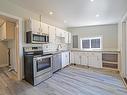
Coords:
pixel 65 21
pixel 92 0
pixel 51 13
pixel 97 15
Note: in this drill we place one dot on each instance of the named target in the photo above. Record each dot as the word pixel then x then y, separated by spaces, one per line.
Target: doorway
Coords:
pixel 11 45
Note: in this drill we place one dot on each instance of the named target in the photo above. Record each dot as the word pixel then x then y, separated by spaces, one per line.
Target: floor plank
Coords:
pixel 68 81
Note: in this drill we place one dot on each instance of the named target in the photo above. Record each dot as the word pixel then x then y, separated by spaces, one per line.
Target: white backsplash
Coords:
pixel 53 47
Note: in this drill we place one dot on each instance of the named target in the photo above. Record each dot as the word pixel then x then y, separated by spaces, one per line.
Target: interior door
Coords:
pixel 126 50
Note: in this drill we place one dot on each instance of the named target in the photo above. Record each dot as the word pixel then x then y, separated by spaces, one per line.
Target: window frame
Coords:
pixel 90 38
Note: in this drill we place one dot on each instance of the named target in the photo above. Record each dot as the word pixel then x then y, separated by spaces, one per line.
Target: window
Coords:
pixel 91 43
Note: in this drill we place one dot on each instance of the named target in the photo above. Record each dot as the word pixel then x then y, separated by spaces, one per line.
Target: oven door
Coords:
pixel 42 65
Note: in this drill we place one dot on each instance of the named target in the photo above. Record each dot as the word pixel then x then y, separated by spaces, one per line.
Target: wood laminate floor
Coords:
pixel 69 81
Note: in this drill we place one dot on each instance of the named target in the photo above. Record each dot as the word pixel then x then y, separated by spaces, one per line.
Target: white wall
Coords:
pixel 8 7
pixel 109 34
pixel 122 44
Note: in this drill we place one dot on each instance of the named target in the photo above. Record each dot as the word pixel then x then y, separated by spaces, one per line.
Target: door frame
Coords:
pixel 19 49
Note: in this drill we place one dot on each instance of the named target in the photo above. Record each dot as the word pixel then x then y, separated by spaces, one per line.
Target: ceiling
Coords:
pixel 78 12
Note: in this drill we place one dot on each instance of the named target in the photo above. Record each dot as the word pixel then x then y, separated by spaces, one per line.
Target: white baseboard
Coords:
pixel 3 65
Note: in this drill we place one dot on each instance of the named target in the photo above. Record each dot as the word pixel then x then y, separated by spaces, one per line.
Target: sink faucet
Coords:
pixel 58 47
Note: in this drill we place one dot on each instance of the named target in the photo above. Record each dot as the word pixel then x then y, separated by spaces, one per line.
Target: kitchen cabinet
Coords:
pixel 7 31
pixel 33 25
pixel 65 59
pixel 92 59
pixel 57 62
pixel 58 32
pixel 77 57
pixel 69 37
pixel 66 37
pixel 84 58
pixel 45 28
pixel 95 59
pixel 52 34
pixel 72 57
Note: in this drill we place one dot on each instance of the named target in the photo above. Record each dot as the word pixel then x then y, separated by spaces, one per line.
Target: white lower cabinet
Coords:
pixel 95 59
pixel 84 58
pixel 65 59
pixel 77 57
pixel 72 57
pixel 92 59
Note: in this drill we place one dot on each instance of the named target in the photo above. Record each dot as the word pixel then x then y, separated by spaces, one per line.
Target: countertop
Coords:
pixel 55 52
pixel 110 50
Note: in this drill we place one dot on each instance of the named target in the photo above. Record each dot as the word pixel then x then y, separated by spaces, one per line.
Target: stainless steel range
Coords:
pixel 37 65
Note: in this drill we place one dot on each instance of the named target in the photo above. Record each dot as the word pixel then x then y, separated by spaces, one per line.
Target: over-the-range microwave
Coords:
pixel 36 38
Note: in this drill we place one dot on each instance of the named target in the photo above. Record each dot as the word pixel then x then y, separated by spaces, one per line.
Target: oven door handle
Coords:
pixel 43 57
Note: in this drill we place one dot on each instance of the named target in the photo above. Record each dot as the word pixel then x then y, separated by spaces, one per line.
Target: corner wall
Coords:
pixel 122 44
pixel 109 34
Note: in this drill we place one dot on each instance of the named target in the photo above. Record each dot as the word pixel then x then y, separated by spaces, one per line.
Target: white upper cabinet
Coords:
pixel 45 28
pixel 58 32
pixel 63 33
pixel 38 27
pixel 33 25
pixel 52 34
pixel 66 37
pixel 69 37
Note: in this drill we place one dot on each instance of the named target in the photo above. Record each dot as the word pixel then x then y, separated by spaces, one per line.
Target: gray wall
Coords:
pixel 109 34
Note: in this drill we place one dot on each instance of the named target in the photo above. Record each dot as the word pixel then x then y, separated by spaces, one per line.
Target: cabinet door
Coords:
pixel 72 58
pixel 95 60
pixel 3 32
pixel 10 29
pixel 69 38
pixel 35 27
pixel 99 60
pixel 67 58
pixel 63 33
pixel 92 59
pixel 52 34
pixel 63 60
pixel 84 58
pixel 45 28
pixel 58 32
pixel 66 37
pixel 77 57
pixel 56 62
